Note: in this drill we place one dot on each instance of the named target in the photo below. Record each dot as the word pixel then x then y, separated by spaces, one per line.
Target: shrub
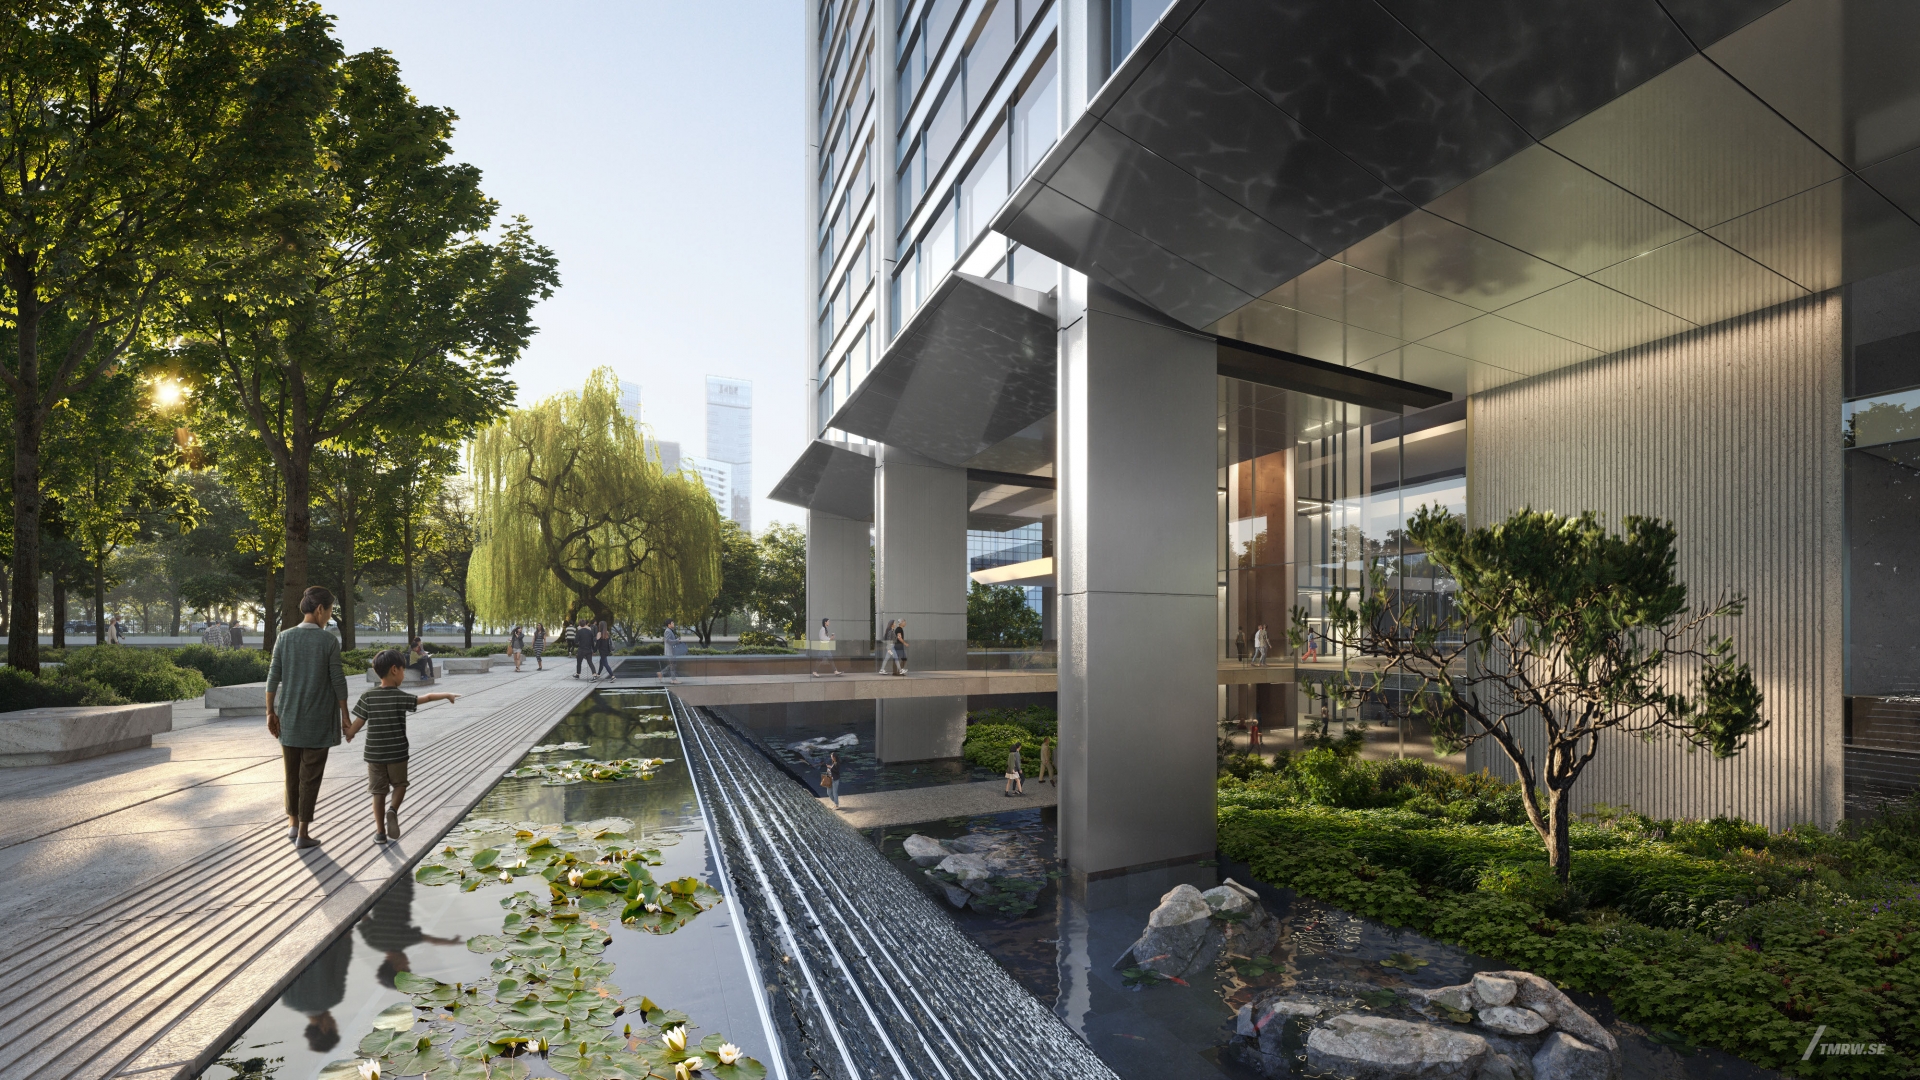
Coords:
pixel 223 667
pixel 53 689
pixel 760 639
pixel 135 674
pixel 1040 721
pixel 989 744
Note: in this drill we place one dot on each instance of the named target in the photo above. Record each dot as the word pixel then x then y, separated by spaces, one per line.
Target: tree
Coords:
pixel 450 557
pixel 1561 634
pixel 998 617
pixel 382 302
pixel 132 129
pixel 408 487
pixel 780 602
pixel 343 479
pixel 572 511
pixel 739 580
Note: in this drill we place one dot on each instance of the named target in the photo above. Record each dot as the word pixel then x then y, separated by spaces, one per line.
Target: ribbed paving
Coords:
pixel 93 997
pixel 866 976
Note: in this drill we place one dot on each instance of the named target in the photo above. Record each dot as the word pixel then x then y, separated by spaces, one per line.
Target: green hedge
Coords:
pixel 1686 925
pixel 134 674
pixel 54 688
pixel 222 667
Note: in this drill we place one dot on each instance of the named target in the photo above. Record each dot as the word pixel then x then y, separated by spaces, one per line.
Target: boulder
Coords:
pixel 955 895
pixel 1492 989
pixel 1506 1067
pixel 925 850
pixel 1380 1048
pixel 1180 936
pixel 1563 1057
pixel 1254 1017
pixel 966 867
pixel 1508 1020
pixel 977 843
pixel 1456 998
pixel 1536 993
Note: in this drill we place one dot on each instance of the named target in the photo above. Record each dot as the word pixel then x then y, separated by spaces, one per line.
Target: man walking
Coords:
pixel 1261 644
pixel 670 648
pixel 583 648
pixel 307 707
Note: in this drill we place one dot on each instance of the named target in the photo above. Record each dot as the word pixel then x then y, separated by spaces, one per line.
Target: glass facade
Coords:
pixel 1312 492
pixel 988 548
pixel 847 210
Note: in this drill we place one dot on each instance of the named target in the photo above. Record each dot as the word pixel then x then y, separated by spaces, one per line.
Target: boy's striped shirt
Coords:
pixel 385 710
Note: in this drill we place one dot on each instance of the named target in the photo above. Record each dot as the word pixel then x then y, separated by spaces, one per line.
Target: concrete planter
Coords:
pixel 51 736
pixel 467 665
pixel 240 699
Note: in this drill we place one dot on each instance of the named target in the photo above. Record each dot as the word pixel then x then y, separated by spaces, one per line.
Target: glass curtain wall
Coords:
pixel 1312 493
pixel 847 259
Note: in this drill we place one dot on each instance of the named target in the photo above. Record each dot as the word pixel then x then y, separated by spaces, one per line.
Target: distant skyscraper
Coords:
pixel 630 399
pixel 630 404
pixel 730 442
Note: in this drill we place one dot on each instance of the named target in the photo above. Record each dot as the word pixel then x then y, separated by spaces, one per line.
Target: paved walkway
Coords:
pixel 909 806
pixel 155 905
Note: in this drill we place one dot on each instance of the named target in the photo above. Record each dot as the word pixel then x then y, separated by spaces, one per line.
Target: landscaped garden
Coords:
pixel 1713 933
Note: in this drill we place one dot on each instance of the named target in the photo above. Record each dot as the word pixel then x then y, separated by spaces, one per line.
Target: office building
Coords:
pixel 630 404
pixel 1220 292
pixel 730 442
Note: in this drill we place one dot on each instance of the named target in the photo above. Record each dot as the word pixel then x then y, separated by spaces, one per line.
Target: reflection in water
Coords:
pixel 389 929
pixel 315 991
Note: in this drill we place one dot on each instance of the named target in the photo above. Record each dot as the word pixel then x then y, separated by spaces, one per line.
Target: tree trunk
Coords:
pixel 299 518
pixel 175 604
pixel 345 599
pixel 1559 838
pixel 406 556
pixel 100 598
pixel 23 649
pixel 59 619
pixel 269 626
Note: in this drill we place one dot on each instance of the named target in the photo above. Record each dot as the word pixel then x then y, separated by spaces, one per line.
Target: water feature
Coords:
pixel 477 955
pixel 799 736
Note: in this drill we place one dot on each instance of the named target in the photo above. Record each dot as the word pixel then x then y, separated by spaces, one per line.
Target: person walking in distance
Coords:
pixel 1240 645
pixel 826 644
pixel 900 647
pixel 1253 735
pixel 1014 784
pixel 1047 772
pixel 307 707
pixel 517 645
pixel 1261 645
pixel 832 777
pixel 383 712
pixel 670 650
pixel 582 638
pixel 539 646
pixel 886 646
pixel 603 648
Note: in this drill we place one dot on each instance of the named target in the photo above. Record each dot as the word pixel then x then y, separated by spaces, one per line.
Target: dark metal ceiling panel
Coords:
pixel 1547 63
pixel 829 477
pixel 975 365
pixel 1707 21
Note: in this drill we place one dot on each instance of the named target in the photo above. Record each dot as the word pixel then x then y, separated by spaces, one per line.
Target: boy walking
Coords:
pixel 383 712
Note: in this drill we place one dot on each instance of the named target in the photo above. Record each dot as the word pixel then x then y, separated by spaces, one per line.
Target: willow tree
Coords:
pixel 573 512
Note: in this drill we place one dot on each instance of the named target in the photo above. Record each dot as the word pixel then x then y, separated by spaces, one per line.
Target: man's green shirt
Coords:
pixel 308 685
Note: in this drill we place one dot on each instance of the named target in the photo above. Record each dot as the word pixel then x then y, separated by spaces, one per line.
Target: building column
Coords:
pixel 839 580
pixel 920 575
pixel 1134 553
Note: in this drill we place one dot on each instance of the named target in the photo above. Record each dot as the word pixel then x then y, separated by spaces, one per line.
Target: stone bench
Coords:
pixel 413 677
pixel 240 699
pixel 467 665
pixel 52 736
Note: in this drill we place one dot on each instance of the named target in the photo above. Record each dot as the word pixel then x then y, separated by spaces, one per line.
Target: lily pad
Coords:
pixel 485 943
pixel 485 858
pixel 395 1017
pixel 435 874
pixel 408 983
pixel 1404 962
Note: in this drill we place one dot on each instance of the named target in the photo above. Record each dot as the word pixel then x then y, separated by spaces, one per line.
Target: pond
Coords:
pixel 457 973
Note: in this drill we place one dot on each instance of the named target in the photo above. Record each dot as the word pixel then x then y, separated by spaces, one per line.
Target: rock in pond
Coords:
pixel 1381 1048
pixel 925 850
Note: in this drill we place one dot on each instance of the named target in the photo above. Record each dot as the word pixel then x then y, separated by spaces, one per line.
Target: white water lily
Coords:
pixel 369 1070
pixel 675 1039
pixel 728 1053
pixel 694 1064
pixel 682 1072
pixel 506 877
pixel 574 877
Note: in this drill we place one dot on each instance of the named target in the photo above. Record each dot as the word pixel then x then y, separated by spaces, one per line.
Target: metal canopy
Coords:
pixel 830 477
pixel 1291 371
pixel 974 366
pixel 1242 143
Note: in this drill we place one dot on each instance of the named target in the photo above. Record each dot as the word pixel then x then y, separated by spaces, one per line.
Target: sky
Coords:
pixel 659 150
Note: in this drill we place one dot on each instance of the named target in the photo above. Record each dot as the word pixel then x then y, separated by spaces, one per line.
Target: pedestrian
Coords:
pixel 832 777
pixel 1253 735
pixel 885 649
pixel 516 645
pixel 1014 785
pixel 420 660
pixel 900 647
pixel 113 631
pixel 1261 645
pixel 236 635
pixel 582 638
pixel 382 711
pixel 826 644
pixel 603 644
pixel 1240 645
pixel 670 648
pixel 306 707
pixel 540 646
pixel 1047 775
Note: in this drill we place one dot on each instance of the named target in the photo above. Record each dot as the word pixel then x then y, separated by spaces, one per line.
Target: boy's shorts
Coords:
pixel 385 775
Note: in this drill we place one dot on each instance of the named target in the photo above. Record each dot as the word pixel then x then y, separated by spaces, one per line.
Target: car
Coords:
pixel 441 628
pixel 81 626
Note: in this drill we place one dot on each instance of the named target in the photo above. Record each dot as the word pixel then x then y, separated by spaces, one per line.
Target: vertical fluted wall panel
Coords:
pixel 1733 433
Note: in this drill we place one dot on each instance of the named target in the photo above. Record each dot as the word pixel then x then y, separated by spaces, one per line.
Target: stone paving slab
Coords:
pixel 909 806
pixel 157 905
